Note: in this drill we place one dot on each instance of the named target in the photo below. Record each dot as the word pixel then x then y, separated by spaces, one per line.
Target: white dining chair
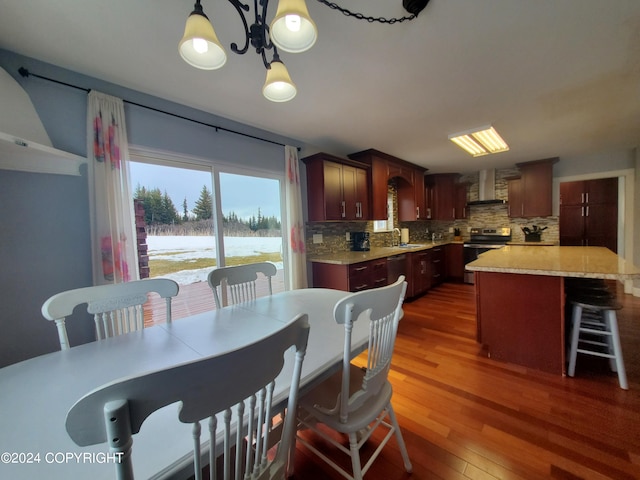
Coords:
pixel 116 308
pixel 240 281
pixel 356 401
pixel 233 390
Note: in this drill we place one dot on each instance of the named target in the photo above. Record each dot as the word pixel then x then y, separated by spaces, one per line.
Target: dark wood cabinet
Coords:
pixel 530 195
pixel 460 201
pixel 408 179
pixel 441 188
pixel 589 213
pixel 351 278
pixel 515 205
pixel 454 256
pixel 438 266
pixel 337 189
pixel 420 274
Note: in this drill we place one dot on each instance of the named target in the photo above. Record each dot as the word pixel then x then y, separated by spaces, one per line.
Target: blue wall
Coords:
pixel 44 219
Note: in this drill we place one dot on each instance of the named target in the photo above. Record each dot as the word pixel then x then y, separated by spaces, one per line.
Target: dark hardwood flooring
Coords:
pixel 465 416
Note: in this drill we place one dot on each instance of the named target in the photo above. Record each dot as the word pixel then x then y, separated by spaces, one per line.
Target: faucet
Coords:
pixel 433 237
pixel 395 230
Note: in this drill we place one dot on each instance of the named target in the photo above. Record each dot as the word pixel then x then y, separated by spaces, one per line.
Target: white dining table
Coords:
pixel 36 394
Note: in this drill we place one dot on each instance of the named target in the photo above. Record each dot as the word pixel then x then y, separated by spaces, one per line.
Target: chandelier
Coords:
pixel 291 30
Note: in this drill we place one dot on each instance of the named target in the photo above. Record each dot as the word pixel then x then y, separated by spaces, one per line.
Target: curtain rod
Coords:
pixel 26 73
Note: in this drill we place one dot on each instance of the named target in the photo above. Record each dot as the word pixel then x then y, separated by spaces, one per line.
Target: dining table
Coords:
pixel 36 394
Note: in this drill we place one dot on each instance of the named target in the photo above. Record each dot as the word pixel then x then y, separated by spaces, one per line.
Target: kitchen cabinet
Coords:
pixel 454 260
pixel 438 266
pixel 530 194
pixel 408 180
pixel 337 189
pixel 460 201
pixel 420 278
pixel 444 194
pixel 589 213
pixel 351 278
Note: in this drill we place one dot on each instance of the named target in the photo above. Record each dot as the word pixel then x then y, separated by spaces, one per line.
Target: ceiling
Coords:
pixel 556 78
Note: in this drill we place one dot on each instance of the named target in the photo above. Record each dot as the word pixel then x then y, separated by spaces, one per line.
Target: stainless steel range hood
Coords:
pixel 487 188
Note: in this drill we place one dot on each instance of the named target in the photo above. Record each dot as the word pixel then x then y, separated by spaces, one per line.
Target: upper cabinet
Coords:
pixel 530 194
pixel 337 189
pixel 409 180
pixel 446 198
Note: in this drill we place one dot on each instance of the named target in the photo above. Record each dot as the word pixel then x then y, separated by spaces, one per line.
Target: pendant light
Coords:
pixel 292 29
pixel 200 46
pixel 278 86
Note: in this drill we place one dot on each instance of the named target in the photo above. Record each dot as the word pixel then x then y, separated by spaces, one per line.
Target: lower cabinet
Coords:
pixel 351 278
pixel 438 266
pixel 423 270
pixel 420 278
pixel 454 255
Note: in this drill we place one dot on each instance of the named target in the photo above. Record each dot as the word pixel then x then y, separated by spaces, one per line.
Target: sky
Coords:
pixel 240 194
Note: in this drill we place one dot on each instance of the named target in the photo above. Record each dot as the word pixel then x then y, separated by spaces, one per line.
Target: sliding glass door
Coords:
pixel 196 218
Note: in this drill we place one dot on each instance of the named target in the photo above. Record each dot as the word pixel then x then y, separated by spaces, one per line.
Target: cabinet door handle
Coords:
pixel 453 211
pixel 464 212
pixel 359 269
pixel 587 197
pixel 587 211
pixel 428 212
pixel 582 209
pixel 582 197
pixel 344 209
pixel 417 212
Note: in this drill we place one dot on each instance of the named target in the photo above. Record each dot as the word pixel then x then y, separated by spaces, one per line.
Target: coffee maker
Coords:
pixel 360 242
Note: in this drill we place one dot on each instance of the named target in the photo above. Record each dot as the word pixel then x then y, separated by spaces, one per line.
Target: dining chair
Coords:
pixel 356 401
pixel 233 390
pixel 116 308
pixel 241 282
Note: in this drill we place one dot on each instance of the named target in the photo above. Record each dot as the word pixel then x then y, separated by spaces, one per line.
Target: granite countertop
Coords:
pixel 534 244
pixel 587 262
pixel 349 257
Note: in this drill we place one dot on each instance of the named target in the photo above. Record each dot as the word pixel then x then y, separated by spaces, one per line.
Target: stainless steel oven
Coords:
pixel 481 240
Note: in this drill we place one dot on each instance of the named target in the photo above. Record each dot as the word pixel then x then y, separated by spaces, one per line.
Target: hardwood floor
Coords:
pixel 464 416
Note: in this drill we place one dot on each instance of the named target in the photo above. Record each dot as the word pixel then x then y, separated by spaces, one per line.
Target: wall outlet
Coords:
pixel 450 229
pixel 347 236
pixel 317 238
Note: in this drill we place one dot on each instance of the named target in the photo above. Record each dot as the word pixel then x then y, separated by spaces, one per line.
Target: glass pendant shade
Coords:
pixel 292 29
pixel 278 86
pixel 200 46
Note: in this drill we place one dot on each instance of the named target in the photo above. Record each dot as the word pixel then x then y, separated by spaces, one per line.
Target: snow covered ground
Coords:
pixel 181 248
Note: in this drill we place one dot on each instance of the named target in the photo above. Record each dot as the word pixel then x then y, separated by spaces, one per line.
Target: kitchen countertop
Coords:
pixel 586 262
pixel 349 257
pixel 534 244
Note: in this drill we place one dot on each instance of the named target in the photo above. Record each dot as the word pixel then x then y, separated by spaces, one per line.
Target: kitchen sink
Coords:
pixel 412 245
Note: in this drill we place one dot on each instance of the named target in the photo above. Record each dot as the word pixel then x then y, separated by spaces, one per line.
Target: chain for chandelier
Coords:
pixel 412 6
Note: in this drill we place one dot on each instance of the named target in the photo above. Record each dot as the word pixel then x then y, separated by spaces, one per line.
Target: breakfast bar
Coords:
pixel 521 300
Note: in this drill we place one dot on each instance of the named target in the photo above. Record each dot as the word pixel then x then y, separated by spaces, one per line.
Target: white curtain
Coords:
pixel 297 262
pixel 113 235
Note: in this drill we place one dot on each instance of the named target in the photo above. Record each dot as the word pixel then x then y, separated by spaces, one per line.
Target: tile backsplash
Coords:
pixel 334 233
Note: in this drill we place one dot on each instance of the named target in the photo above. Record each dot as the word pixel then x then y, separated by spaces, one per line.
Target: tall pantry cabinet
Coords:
pixel 589 213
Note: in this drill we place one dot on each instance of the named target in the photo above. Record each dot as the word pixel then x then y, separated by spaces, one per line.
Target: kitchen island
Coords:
pixel 521 302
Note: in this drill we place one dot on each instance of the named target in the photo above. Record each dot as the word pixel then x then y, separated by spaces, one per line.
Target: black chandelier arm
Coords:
pixel 240 7
pixel 414 7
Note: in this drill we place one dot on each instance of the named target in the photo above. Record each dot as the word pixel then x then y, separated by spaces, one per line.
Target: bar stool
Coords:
pixel 595 332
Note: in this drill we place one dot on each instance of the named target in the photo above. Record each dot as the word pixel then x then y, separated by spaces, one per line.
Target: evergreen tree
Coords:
pixel 204 205
pixel 185 215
